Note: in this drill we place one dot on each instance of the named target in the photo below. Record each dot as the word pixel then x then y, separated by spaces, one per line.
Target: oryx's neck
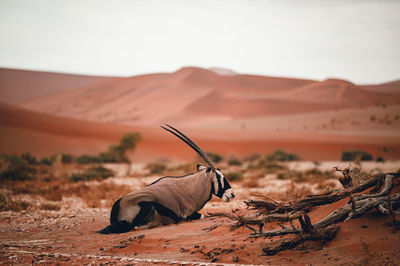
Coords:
pixel 198 187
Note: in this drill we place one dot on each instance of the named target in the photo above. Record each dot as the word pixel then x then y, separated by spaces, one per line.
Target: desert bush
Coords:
pixel 156 168
pixel 282 156
pixel 380 159
pixel 67 158
pixel 311 175
pixel 49 207
pixel 116 153
pixel 234 161
pixel 216 158
pixel 46 161
pixel 3 201
pixel 314 174
pixel 93 173
pixel 9 205
pixel 234 176
pixel 270 167
pixel 29 158
pixel 356 155
pixel 294 175
pixel 87 159
pixel 15 168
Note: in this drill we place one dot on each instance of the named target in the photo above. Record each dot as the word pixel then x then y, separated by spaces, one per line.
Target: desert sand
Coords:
pixel 231 114
pixel 20 85
pixel 57 236
pixel 224 112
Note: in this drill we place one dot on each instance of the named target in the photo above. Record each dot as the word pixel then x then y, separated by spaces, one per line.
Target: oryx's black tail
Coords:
pixel 116 227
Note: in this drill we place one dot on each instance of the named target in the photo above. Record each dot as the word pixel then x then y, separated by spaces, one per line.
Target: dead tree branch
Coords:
pixel 325 229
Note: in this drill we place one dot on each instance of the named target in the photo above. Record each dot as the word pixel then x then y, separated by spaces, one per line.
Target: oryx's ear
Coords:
pixel 201 167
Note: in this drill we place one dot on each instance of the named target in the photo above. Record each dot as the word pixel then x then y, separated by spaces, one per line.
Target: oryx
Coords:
pixel 170 199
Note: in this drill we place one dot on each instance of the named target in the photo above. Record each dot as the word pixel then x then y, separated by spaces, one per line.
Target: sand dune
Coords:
pixel 20 85
pixel 194 94
pixel 228 114
pixel 388 87
pixel 22 130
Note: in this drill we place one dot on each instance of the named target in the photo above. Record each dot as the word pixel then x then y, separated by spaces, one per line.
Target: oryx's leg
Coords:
pixel 194 216
pixel 155 215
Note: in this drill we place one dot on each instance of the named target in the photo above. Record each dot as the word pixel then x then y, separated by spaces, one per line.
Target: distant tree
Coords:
pixel 126 145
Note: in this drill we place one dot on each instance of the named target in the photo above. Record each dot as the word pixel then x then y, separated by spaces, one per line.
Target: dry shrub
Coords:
pixel 234 161
pixel 10 205
pixel 296 193
pixel 313 175
pixel 234 176
pixel 97 196
pixel 358 176
pixel 294 175
pixel 156 168
pixel 49 207
pixel 283 156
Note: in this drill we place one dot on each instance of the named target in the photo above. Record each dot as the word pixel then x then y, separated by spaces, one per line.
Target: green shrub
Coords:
pixel 270 167
pixel 46 161
pixel 87 159
pixel 282 156
pixel 356 155
pixel 116 153
pixel 234 176
pixel 93 173
pixel 379 159
pixel 28 157
pixel 66 158
pixel 216 158
pixel 156 168
pixel 15 168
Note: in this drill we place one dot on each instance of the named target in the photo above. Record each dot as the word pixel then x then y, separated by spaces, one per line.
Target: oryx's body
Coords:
pixel 169 199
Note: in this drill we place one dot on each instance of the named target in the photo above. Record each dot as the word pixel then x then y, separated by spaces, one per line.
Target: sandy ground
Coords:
pixel 68 236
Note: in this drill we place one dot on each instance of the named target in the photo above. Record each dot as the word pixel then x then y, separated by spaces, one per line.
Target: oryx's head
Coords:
pixel 220 185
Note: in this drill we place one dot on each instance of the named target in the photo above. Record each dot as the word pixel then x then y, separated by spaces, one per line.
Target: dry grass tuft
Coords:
pixel 49 207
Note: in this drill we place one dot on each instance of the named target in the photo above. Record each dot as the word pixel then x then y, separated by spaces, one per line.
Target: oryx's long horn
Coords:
pixel 193 145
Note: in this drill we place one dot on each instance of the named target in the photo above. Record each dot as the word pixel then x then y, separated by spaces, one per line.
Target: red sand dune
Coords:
pixel 42 134
pixel 20 85
pixel 194 94
pixel 228 114
pixel 388 87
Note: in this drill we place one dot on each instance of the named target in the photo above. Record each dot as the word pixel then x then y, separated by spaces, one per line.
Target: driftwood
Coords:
pixel 312 200
pixel 325 229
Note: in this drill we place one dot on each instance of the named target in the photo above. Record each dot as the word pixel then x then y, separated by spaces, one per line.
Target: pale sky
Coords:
pixel 354 40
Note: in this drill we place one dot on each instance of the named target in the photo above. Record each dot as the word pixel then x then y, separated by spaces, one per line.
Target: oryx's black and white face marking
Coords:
pixel 220 186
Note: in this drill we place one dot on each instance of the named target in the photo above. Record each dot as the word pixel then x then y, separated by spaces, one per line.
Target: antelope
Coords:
pixel 170 199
